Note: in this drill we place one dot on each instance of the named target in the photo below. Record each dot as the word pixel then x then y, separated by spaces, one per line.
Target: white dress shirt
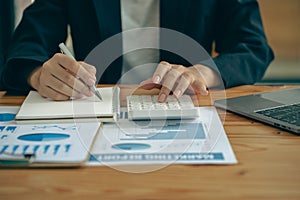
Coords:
pixel 140 64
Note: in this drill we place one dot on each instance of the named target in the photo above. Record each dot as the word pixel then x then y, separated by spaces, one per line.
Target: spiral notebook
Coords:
pixel 36 109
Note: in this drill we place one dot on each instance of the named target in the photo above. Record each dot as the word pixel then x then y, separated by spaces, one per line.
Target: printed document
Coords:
pixel 199 141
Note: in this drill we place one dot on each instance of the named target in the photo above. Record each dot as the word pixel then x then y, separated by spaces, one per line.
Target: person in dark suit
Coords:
pixel 234 26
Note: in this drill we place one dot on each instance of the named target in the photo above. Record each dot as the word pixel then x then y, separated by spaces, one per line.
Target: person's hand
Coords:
pixel 62 78
pixel 179 79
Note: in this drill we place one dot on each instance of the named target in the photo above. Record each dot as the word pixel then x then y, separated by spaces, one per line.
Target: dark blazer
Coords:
pixel 234 25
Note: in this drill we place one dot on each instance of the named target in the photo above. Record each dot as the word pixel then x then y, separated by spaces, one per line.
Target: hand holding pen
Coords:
pixel 62 78
pixel 65 51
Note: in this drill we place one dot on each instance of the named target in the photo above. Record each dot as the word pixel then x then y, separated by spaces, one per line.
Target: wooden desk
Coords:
pixel 268 168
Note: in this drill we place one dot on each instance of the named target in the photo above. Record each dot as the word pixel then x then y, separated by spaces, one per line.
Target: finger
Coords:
pixel 169 82
pixel 74 68
pixel 89 68
pixel 85 76
pixel 49 80
pixel 162 68
pixel 82 88
pixel 172 76
pixel 200 87
pixel 183 84
pixel 163 94
pixel 66 79
pixel 64 89
pixel 148 85
pixel 50 93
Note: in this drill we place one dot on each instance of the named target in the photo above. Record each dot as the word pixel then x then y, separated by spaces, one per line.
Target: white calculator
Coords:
pixel 145 107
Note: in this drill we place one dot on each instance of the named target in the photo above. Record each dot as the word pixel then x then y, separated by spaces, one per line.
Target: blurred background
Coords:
pixel 281 21
pixel 282 25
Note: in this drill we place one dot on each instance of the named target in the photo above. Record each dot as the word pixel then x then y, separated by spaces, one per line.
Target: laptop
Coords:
pixel 279 108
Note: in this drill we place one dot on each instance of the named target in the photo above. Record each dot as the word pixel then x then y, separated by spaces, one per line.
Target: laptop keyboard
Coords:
pixel 287 113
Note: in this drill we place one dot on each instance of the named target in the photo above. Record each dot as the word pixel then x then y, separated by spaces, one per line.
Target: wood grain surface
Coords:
pixel 268 168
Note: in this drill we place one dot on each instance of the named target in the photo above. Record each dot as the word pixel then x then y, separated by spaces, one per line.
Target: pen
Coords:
pixel 66 51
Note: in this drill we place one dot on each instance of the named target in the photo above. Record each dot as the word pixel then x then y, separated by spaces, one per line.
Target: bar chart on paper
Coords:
pixel 49 144
pixel 160 142
pixel 171 130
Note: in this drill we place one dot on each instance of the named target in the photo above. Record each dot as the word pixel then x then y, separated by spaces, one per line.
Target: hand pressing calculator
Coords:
pixel 145 107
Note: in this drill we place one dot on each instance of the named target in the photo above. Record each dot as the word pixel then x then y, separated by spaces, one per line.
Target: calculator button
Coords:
pixel 141 107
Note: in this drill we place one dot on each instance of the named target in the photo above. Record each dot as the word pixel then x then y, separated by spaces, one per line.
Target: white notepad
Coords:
pixel 35 108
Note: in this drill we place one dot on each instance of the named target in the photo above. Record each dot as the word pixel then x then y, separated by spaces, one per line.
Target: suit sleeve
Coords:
pixel 241 44
pixel 42 28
